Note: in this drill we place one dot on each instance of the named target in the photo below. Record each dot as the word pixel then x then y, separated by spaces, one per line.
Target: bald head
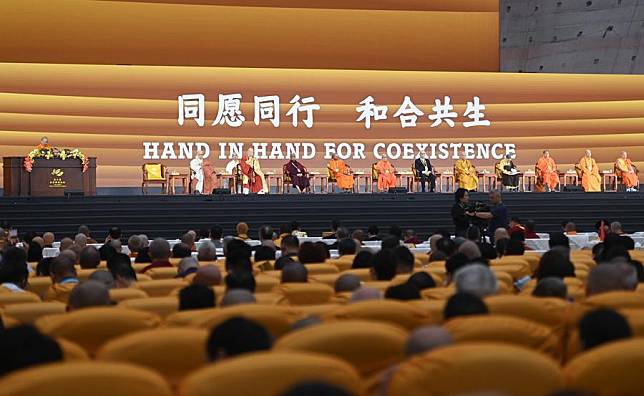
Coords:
pixel 66 243
pixel 88 294
pixel 62 267
pixel 294 272
pixel 49 238
pixel 208 275
pixel 470 249
pixel 104 277
pixel 611 277
pixel 501 233
pixel 159 249
pixel 365 293
pixel 347 283
pixel 426 338
pixel 236 297
pixel 80 240
pixel 39 241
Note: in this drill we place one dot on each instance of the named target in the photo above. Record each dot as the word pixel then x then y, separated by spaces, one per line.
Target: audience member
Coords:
pixel 160 255
pixel 88 294
pixel 347 247
pixel 470 250
pixel 404 260
pixel 207 275
pixel 14 274
pixel 310 253
pixel 383 265
pixel 289 246
pixel 237 336
pixel 476 279
pixel 530 227
pixel 405 291
pixel 24 346
pixel 89 258
pixel 422 280
pixel 134 243
pixel 181 250
pixel 551 286
pixel 390 243
pixel 196 297
pixel 553 263
pixel 316 389
pixel 294 273
pixel 104 277
pixel 216 233
pixel 187 265
pixel 207 251
pixel 242 231
pixel 365 293
pixel 236 297
pixel 601 326
pixel 611 277
pixel 463 304
pixel 64 279
pixel 240 280
pixel 362 260
pixel 347 283
pixel 426 338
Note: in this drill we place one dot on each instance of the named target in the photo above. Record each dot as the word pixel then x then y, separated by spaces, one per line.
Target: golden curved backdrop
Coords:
pixel 108 111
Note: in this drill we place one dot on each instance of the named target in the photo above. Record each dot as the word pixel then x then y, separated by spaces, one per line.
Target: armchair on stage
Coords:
pixel 154 173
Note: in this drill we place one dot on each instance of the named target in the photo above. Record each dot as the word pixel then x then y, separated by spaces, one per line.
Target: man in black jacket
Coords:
pixel 425 172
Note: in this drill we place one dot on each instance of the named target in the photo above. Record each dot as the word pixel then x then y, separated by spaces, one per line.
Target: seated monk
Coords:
pixel 386 174
pixel 547 174
pixel 465 173
pixel 590 179
pixel 298 173
pixel 628 171
pixel 341 172
pixel 253 179
pixel 44 144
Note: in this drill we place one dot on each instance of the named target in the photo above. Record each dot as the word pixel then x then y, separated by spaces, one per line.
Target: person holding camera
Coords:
pixel 497 215
pixel 461 212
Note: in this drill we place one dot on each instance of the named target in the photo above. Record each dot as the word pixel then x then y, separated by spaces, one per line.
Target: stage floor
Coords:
pixel 169 216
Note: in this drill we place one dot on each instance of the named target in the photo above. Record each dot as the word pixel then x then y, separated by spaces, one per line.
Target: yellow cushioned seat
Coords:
pixel 277 319
pixel 270 374
pixel 154 172
pixel 83 274
pixel 437 274
pixel 368 346
pixel 266 298
pixel 138 267
pixel 504 278
pixel 85 378
pixel 549 311
pixel 172 352
pixel 304 293
pixel 327 279
pixel 161 287
pixel 265 283
pixel 59 292
pixel 438 293
pixel 162 273
pixel 39 284
pixel 477 367
pixel 318 310
pixel 344 262
pixel 92 327
pixel 609 369
pixel 188 318
pixel 514 269
pixel 28 313
pixel 162 306
pixel 126 293
pixel 532 259
pixel 380 285
pixel 616 300
pixel 387 311
pixel 317 269
pixel 505 329
pixel 434 308
pixel 7 299
pixel 72 351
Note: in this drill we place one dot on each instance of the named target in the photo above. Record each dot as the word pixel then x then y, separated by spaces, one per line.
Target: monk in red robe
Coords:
pixel 44 143
pixel 547 174
pixel 253 179
pixel 386 174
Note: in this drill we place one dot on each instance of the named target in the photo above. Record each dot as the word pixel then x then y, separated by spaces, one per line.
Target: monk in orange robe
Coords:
pixel 590 179
pixel 341 172
pixel 386 176
pixel 628 171
pixel 44 144
pixel 547 174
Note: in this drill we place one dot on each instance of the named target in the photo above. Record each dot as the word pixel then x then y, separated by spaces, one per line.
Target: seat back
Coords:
pixel 610 369
pixel 28 313
pixel 505 329
pixel 327 279
pixel 387 311
pixel 548 311
pixel 162 273
pixel 118 295
pixel 162 306
pixel 72 351
pixel 85 378
pixel 161 287
pixel 153 172
pixel 18 298
pixel 616 300
pixel 368 346
pixel 477 367
pixel 172 352
pixel 275 371
pixel 304 293
pixel 265 283
pixel 286 177
pixel 317 269
pixel 277 320
pixel 39 284
pixel 92 327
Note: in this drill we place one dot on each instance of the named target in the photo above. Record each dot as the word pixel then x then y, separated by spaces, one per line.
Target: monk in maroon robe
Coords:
pixel 298 173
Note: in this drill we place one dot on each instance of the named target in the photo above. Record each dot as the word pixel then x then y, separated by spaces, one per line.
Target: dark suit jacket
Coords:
pixel 420 167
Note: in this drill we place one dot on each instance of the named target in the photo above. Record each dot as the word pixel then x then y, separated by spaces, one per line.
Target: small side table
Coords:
pixel 609 181
pixel 529 181
pixel 489 181
pixel 277 177
pixel 408 179
pixel 183 178
pixel 570 178
pixel 447 182
pixel 358 176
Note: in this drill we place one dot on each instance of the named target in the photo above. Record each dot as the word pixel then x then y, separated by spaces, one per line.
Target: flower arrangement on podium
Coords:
pixel 53 152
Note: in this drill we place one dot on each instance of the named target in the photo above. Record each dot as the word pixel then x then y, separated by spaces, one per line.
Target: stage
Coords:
pixel 169 216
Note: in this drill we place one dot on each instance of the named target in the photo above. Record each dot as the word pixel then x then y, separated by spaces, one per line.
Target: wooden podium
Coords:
pixel 48 177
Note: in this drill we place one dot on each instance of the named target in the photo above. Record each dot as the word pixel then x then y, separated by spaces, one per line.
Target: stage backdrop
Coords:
pixel 127 115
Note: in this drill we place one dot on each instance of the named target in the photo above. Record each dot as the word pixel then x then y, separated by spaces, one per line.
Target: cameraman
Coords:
pixel 461 212
pixel 497 216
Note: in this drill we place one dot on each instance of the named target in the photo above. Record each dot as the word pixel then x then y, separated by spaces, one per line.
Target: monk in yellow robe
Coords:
pixel 590 179
pixel 341 172
pixel 465 174
pixel 547 174
pixel 625 166
pixel 386 174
